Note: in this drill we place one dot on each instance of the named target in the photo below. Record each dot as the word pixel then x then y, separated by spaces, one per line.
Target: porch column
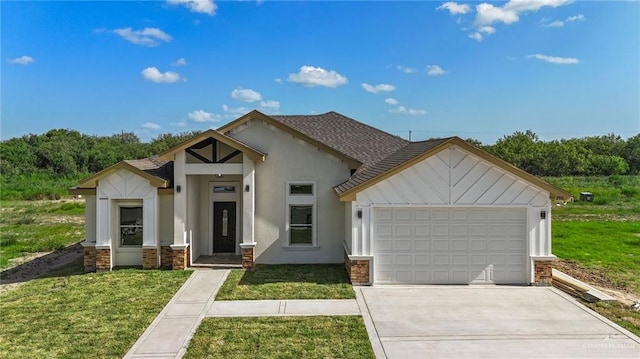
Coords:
pixel 180 245
pixel 248 212
pixel 103 253
pixel 89 243
pixel 150 243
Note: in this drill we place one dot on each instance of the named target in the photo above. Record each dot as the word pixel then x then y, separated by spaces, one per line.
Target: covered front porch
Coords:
pixel 214 201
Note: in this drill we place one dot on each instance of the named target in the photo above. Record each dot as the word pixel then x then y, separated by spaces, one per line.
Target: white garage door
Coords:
pixel 449 246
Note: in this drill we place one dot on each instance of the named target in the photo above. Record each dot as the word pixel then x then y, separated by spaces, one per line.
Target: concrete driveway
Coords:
pixel 488 322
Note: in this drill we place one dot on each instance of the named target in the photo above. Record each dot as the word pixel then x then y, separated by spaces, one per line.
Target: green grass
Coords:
pixel 83 316
pixel 618 313
pixel 38 226
pixel 609 247
pixel 611 190
pixel 281 337
pixel 287 281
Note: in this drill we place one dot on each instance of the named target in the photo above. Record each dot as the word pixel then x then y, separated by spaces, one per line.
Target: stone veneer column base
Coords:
pixel 358 270
pixel 89 258
pixel 103 259
pixel 149 258
pixel 248 257
pixel 543 274
pixel 180 257
pixel 166 257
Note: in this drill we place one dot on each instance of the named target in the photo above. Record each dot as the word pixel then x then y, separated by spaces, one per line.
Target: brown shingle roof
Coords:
pixel 345 135
pixel 367 172
pixel 155 167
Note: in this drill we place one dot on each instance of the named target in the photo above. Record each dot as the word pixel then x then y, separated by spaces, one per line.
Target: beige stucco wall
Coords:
pixel 290 159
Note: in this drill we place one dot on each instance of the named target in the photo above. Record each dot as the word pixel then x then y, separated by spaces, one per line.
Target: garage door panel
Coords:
pixel 421 259
pixel 402 230
pixel 422 245
pixel 441 245
pixel 460 245
pixel 450 246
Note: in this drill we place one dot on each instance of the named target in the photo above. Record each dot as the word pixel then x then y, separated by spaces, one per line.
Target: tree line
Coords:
pixel 60 157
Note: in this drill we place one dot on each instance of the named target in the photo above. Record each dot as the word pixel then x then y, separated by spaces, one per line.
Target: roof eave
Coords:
pixel 92 181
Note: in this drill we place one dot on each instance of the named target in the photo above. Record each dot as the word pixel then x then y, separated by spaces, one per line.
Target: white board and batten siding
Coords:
pixel 452 218
pixel 126 187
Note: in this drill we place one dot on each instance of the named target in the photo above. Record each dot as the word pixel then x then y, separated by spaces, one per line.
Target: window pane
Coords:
pixel 301 189
pixel 300 235
pixel 131 236
pixel 130 216
pixel 301 215
pixel 224 189
pixel 131 226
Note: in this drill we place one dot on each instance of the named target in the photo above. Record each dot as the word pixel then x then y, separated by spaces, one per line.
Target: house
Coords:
pixel 324 189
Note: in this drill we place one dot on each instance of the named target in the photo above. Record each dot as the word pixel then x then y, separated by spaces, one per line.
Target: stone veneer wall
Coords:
pixel 166 257
pixel 358 270
pixel 248 257
pixel 89 259
pixel 103 259
pixel 149 258
pixel 543 273
pixel 180 257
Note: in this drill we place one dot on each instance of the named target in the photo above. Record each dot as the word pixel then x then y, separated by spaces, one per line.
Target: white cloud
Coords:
pixel 180 62
pixel 555 60
pixel 406 70
pixel 237 111
pixel 407 111
pixel 391 101
pixel 150 126
pixel 556 23
pixel 277 80
pixel 378 88
pixel 559 23
pixel 454 8
pixel 487 30
pixel 153 74
pixel 476 36
pixel 245 95
pixel 201 6
pixel 178 124
pixel 578 17
pixel 487 14
pixel 317 76
pixel 22 60
pixel 435 70
pixel 270 105
pixel 203 116
pixel 149 36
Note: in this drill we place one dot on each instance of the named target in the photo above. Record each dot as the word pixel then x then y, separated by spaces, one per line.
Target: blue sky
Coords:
pixel 482 70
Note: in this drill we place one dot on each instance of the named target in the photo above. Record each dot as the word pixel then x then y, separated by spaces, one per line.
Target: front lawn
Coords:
pixel 281 337
pixel 83 316
pixel 287 281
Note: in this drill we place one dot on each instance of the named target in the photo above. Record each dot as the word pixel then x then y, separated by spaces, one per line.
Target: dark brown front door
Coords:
pixel 224 227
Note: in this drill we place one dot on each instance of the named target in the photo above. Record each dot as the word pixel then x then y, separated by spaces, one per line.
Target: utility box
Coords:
pixel 586 196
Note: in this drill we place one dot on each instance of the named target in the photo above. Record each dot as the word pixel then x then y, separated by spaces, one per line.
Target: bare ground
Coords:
pixel 597 280
pixel 36 265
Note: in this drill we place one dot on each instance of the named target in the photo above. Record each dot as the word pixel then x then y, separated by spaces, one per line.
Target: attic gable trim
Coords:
pixel 92 181
pixel 252 153
pixel 350 194
pixel 257 115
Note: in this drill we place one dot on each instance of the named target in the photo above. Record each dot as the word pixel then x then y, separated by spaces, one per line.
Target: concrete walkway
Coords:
pixel 169 334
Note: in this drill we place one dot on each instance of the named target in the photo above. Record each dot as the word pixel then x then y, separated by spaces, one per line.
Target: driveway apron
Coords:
pixel 488 322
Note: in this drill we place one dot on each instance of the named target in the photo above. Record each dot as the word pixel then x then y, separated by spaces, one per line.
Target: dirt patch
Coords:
pixel 36 265
pixel 597 280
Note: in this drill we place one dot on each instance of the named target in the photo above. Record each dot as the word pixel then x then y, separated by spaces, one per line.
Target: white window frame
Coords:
pixel 128 204
pixel 302 200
